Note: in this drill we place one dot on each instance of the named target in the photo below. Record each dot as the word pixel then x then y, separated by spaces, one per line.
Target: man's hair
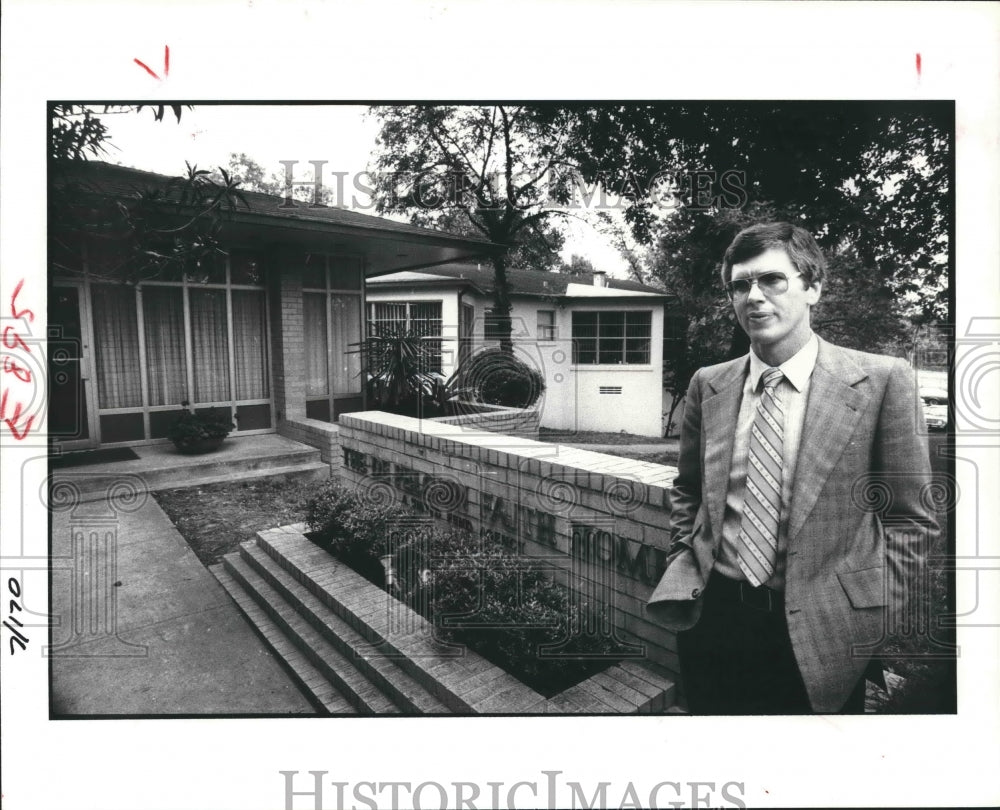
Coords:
pixel 797 242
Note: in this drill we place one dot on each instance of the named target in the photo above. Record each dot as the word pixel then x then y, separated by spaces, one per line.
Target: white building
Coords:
pixel 598 342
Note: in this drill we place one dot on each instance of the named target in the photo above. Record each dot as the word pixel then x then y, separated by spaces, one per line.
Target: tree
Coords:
pixel 871 181
pixel 577 266
pixel 874 176
pixel 854 309
pixel 485 168
pixel 77 132
pixel 250 176
pixel 536 249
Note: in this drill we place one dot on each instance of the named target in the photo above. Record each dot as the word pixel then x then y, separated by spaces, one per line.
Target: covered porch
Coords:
pixel 261 333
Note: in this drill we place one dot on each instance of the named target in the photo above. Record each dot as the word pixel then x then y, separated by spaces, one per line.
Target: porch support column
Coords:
pixel 287 334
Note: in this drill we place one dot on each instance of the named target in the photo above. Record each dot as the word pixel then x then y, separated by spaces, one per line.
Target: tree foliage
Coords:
pixel 874 176
pixel 78 132
pixel 870 180
pixel 486 168
pixel 854 310
pixel 158 230
pixel 251 176
pixel 577 266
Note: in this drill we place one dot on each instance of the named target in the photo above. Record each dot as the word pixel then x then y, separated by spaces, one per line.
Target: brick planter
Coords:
pixel 356 649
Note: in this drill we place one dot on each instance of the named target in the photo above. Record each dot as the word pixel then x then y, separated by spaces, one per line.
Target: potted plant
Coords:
pixel 195 433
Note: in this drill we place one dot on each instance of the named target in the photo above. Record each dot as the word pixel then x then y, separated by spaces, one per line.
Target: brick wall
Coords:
pixel 322 435
pixel 597 522
pixel 497 419
pixel 325 435
pixel 287 339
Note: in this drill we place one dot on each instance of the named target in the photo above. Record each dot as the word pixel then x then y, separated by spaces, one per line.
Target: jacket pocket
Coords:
pixel 864 588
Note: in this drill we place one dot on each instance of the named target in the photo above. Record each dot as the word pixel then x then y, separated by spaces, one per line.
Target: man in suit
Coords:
pixel 801 511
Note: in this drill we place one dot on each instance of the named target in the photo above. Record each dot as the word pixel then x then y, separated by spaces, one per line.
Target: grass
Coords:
pixel 599 437
pixel 216 518
pixel 617 444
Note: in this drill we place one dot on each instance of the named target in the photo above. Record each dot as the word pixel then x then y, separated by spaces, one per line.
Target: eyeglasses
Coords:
pixel 770 284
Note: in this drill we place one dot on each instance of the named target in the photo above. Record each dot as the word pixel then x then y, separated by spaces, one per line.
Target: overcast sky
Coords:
pixel 342 135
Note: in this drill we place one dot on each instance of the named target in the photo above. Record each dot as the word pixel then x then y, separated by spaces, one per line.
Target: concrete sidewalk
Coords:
pixel 145 629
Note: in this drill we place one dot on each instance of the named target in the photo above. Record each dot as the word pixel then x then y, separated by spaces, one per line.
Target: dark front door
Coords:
pixel 68 417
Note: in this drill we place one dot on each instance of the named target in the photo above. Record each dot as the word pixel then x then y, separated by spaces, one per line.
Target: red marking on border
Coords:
pixel 918 65
pixel 12 422
pixel 10 366
pixel 166 64
pixel 17 340
pixel 146 68
pixel 13 305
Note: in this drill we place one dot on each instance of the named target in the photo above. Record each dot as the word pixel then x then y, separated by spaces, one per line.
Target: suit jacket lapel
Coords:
pixel 719 414
pixel 832 412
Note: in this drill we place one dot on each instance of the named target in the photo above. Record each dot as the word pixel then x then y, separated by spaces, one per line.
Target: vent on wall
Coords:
pixel 611 389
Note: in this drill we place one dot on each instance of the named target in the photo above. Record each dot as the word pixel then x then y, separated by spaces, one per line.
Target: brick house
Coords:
pixel 262 333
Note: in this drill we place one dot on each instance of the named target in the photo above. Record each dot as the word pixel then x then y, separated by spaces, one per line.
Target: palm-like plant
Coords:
pixel 400 368
pixel 402 376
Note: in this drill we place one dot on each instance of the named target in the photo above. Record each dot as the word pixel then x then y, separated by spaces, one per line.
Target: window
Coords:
pixel 402 317
pixel 331 323
pixel 200 338
pixel 345 330
pixel 421 318
pixel 116 355
pixel 546 324
pixel 250 339
pixel 611 338
pixel 166 359
pixel 210 345
pixel 466 330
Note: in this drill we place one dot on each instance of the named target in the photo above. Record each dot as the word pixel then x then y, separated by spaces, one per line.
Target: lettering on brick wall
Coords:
pixel 355 461
pixel 509 520
pixel 626 556
pixel 435 496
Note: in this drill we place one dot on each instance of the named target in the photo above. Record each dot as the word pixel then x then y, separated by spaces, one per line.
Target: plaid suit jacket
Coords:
pixel 861 513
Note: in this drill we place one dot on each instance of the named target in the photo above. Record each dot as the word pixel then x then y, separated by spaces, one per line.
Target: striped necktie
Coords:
pixel 758 538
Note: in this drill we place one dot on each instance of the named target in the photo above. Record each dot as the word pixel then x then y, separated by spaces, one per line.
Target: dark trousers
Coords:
pixel 738 658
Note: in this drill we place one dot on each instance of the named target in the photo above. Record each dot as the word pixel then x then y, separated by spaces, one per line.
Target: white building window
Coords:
pixel 546 329
pixel 612 338
pixel 422 318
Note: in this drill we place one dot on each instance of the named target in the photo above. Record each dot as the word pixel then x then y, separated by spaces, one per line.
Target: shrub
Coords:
pixel 190 428
pixel 474 591
pixel 353 527
pixel 399 367
pixel 504 607
pixel 498 378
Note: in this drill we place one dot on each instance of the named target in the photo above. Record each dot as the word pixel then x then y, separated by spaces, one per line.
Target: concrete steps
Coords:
pixel 160 467
pixel 315 686
pixel 308 471
pixel 380 657
pixel 337 669
pixel 380 670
